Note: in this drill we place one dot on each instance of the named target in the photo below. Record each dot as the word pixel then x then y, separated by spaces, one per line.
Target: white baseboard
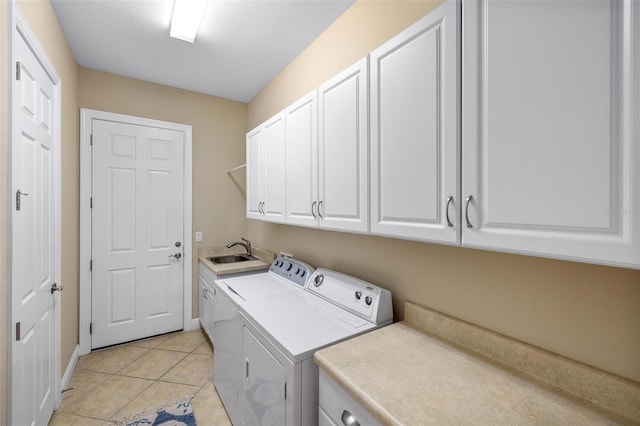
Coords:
pixel 71 367
pixel 195 323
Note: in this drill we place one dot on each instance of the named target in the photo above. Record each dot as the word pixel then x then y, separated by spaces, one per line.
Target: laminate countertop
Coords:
pixel 408 374
pixel 262 262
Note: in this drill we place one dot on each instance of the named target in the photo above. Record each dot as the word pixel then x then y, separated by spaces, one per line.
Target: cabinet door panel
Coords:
pixel 274 169
pixel 254 170
pixel 262 400
pixel 343 150
pixel 414 130
pixel 301 160
pixel 547 131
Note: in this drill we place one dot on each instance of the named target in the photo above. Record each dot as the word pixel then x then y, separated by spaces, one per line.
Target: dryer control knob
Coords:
pixel 317 281
pixel 289 266
pixel 358 295
pixel 368 300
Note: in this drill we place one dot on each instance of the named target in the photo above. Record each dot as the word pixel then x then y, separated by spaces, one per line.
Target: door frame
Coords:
pixel 86 117
pixel 19 24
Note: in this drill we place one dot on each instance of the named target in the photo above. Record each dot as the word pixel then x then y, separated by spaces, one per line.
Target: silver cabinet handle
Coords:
pixel 319 206
pixel 466 211
pixel 204 294
pixel 349 419
pixel 446 209
pixel 177 255
pixel 313 206
pixel 54 288
pixel 19 195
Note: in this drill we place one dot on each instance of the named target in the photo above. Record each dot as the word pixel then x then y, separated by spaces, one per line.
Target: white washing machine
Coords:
pixel 275 335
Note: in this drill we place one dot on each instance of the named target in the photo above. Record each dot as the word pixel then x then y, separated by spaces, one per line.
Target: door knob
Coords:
pixel 177 255
pixel 54 288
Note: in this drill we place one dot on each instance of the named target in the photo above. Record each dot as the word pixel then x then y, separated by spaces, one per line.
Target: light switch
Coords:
pixel 198 236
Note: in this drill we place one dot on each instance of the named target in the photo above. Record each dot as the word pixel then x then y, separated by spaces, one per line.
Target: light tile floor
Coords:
pixel 119 382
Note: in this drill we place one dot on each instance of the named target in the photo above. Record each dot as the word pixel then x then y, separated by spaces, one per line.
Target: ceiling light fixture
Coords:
pixel 186 18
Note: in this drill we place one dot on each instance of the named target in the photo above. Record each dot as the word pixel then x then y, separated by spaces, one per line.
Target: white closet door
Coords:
pixel 35 121
pixel 550 130
pixel 343 202
pixel 415 130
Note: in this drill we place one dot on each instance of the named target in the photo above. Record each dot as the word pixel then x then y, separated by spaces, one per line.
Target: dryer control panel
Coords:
pixel 364 299
pixel 293 270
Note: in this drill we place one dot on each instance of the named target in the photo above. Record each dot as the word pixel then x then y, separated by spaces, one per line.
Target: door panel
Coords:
pixel 273 134
pixel 549 116
pixel 33 240
pixel 254 174
pixel 414 130
pixel 343 150
pixel 137 217
pixel 302 160
pixel 262 400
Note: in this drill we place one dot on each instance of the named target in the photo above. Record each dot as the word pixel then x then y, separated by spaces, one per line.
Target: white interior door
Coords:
pixel 137 231
pixel 35 121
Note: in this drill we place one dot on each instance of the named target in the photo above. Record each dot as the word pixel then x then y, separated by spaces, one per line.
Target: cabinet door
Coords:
pixel 302 161
pixel 415 130
pixel 202 307
pixel 551 112
pixel 254 174
pixel 210 302
pixel 273 140
pixel 343 151
pixel 262 399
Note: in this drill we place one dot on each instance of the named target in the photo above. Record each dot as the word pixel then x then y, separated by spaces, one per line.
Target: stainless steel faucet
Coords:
pixel 246 245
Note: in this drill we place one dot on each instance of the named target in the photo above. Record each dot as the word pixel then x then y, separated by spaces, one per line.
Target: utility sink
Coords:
pixel 230 258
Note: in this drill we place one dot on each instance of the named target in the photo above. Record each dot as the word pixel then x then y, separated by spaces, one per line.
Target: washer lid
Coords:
pixel 251 287
pixel 299 323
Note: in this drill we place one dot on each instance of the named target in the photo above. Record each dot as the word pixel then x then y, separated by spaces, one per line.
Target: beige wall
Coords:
pixel 218 145
pixel 586 312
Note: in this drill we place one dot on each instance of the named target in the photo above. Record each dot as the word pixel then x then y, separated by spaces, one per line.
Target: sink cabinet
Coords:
pixel 206 299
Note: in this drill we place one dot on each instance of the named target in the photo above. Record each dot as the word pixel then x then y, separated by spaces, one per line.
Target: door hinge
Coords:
pixel 90 328
pixel 18 337
pixel 285 390
pixel 91 264
pixel 18 67
pixel 90 202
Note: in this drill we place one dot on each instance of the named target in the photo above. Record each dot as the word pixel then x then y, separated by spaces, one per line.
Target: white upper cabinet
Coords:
pixel 254 174
pixel 550 114
pixel 415 143
pixel 273 137
pixel 266 190
pixel 302 161
pixel 343 150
